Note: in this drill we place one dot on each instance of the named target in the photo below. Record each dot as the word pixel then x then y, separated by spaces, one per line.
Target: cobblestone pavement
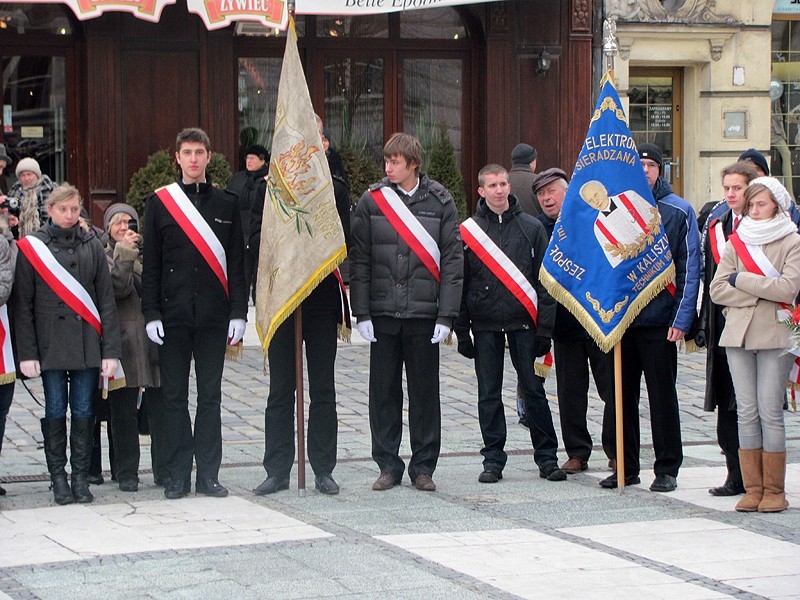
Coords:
pixel 523 537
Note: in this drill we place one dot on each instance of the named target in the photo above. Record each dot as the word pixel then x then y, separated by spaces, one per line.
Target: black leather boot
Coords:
pixel 54 432
pixel 80 441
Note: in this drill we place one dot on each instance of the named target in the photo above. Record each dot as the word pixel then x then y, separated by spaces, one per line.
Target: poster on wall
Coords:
pixel 368 7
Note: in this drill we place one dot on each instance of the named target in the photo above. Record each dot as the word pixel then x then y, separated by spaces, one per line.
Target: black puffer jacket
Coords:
pixel 487 304
pixel 48 330
pixel 387 278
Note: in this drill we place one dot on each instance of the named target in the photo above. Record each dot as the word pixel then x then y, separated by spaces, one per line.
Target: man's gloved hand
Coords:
pixel 732 279
pixel 30 368
pixel 466 348
pixel 440 333
pixel 155 331
pixel 541 345
pixel 366 330
pixel 236 331
pixel 108 366
pixel 700 338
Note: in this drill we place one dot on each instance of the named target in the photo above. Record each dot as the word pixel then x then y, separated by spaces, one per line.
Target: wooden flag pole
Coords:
pixel 618 414
pixel 298 375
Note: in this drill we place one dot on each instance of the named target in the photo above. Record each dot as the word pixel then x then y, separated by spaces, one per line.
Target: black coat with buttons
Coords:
pixel 46 328
pixel 178 286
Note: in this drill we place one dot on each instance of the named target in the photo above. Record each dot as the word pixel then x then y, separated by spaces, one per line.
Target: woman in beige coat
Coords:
pixel 755 341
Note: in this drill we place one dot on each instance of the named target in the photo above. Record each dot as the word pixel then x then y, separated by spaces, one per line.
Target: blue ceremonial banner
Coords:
pixel 609 255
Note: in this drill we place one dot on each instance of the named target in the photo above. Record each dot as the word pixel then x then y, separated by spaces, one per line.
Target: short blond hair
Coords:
pixel 62 193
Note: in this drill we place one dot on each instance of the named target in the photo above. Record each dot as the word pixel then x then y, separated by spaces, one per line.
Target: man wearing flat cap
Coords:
pixel 521 177
pixel 575 352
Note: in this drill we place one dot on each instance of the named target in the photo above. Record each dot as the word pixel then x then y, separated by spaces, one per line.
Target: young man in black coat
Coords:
pixel 503 300
pixel 194 300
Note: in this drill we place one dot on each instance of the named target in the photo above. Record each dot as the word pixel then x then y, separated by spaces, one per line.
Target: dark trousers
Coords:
pixel 154 407
pixel 319 335
pixel 573 360
pixel 727 425
pixel 404 341
pixel 125 433
pixel 251 271
pixel 207 346
pixel 6 396
pixel 489 361
pixel 645 350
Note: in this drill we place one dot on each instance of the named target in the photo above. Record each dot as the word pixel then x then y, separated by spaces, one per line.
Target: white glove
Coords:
pixel 30 368
pixel 367 330
pixel 236 331
pixel 108 366
pixel 155 331
pixel 440 333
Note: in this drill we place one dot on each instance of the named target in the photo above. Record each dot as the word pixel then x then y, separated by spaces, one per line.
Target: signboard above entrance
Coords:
pixel 272 13
pixel 367 7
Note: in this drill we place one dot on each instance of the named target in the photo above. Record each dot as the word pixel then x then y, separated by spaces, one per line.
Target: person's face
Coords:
pixel 759 170
pixel 551 198
pixel 27 178
pixel 253 162
pixel 400 172
pixel 3 165
pixel 762 206
pixel 734 186
pixel 120 227
pixel 495 191
pixel 651 170
pixel 65 214
pixel 193 159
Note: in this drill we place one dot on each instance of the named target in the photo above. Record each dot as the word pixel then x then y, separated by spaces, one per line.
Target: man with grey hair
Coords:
pixel 575 352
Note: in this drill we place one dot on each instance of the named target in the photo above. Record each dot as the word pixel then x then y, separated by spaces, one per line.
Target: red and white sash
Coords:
pixel 716 238
pixel 501 266
pixel 60 280
pixel 115 382
pixel 755 261
pixel 408 228
pixel 7 369
pixel 510 276
pixel 346 326
pixel 196 229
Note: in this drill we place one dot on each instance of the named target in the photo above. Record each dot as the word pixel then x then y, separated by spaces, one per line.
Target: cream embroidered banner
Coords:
pixel 301 236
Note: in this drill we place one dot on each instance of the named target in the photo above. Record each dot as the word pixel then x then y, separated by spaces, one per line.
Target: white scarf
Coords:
pixel 763 232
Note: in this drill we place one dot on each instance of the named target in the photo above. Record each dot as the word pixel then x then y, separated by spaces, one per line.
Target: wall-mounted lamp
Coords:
pixel 543 62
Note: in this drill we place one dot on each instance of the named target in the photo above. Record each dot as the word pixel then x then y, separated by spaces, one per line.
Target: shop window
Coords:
pixel 366 26
pixel 785 96
pixel 34 18
pixel 34 112
pixel 258 96
pixel 432 24
pixel 432 101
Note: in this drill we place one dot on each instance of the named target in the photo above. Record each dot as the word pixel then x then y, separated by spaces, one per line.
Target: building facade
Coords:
pixel 91 100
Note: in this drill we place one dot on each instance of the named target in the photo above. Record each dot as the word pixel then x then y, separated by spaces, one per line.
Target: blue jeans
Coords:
pixel 82 383
pixel 489 360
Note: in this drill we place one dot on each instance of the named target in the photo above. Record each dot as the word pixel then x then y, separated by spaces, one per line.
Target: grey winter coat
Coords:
pixel 46 328
pixel 139 354
pixel 6 270
pixel 387 278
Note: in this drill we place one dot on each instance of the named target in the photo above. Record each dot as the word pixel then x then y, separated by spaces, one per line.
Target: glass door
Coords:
pixel 655 115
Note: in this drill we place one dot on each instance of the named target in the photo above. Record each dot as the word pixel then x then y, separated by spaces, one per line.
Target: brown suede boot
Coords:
pixel 774 465
pixel 750 462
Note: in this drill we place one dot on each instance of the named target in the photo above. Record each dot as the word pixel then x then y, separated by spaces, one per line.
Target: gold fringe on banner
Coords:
pixel 606 342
